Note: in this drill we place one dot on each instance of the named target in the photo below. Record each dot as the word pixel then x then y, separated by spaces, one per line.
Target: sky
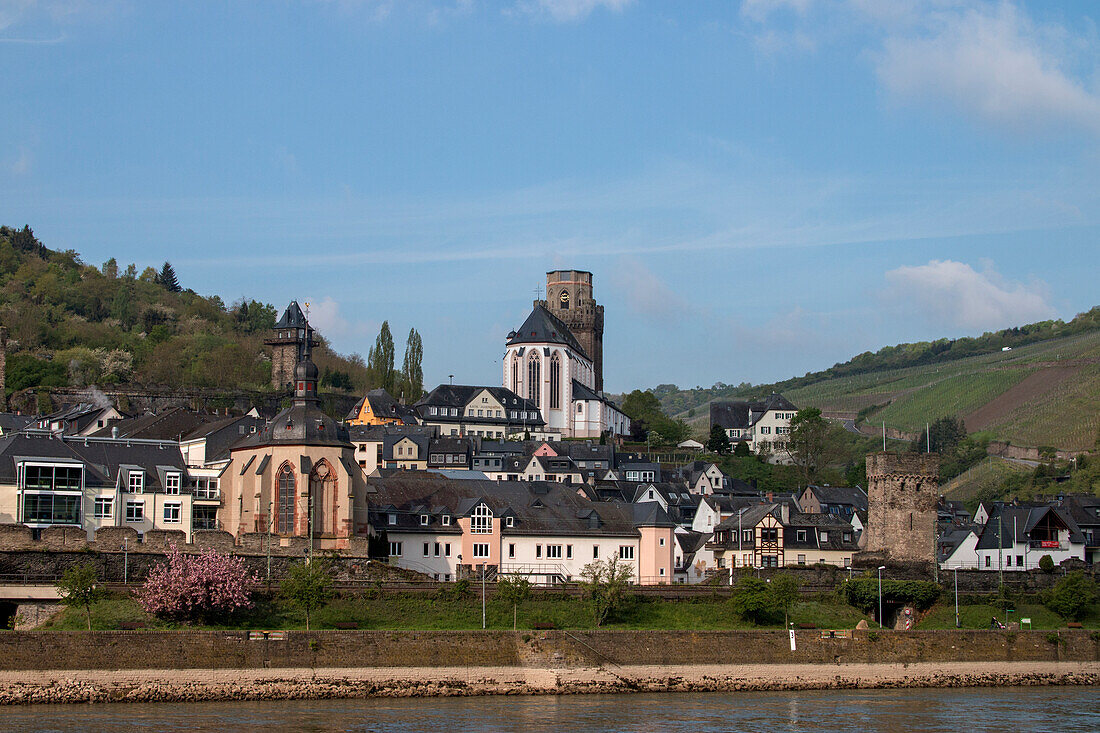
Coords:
pixel 760 188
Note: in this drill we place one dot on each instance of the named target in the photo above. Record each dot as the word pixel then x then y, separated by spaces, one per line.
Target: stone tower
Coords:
pixel 289 345
pixel 569 297
pixel 902 493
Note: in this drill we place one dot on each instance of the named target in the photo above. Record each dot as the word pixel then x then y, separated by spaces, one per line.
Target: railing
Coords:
pixel 208 494
pixel 1046 545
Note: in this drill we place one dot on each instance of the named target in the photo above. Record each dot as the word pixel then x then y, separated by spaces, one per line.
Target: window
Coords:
pixel 765 430
pixel 662 572
pixel 569 552
pixel 135 511
pixel 481 521
pixel 769 561
pixel 801 559
pixel 1019 561
pixel 987 560
pixel 103 507
pixel 626 552
pixel 661 542
pixel 580 407
pixel 391 519
pixel 800 535
pixel 824 536
pixel 51 509
pixel 425 520
pixel 395 549
pixel 769 534
pixel 286 485
pixel 555 381
pixel 426 549
pixel 431 410
pixel 511 549
pixel 454 412
pixel 446 549
pixel 436 549
pixel 847 536
pixel 171 483
pixel 534 380
pixel 553 552
pixel 538 550
pixel 171 512
pixel 481 550
pixel 136 482
pixel 446 520
pixel 746 535
pixel 595 552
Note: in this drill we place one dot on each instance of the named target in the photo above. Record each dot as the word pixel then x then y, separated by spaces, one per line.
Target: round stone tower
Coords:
pixel 569 298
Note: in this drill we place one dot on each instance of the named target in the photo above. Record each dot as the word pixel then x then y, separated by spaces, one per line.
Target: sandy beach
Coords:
pixel 268 684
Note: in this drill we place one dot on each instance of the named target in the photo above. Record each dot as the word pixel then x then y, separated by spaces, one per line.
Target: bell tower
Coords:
pixel 569 297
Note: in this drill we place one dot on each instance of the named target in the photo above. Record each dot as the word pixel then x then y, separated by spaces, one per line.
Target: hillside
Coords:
pixel 73 325
pixel 1042 393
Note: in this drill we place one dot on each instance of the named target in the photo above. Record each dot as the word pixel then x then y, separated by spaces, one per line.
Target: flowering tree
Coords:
pixel 197 587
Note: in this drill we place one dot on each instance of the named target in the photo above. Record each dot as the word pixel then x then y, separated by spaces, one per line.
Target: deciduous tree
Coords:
pixel 197 587
pixel 308 586
pixel 78 587
pixel 603 585
pixel 412 371
pixel 380 361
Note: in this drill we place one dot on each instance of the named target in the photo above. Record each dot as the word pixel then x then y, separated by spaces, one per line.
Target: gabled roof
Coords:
pixel 854 497
pixel 293 317
pixel 172 424
pixel 543 327
pixel 460 395
pixel 1009 524
pixel 382 405
pixel 742 415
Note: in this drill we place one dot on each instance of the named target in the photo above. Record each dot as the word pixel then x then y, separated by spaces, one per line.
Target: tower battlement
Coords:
pixel 569 297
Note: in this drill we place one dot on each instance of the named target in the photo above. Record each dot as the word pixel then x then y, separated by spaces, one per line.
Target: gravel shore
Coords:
pixel 192 685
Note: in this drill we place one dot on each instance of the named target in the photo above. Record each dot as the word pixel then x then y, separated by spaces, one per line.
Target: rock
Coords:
pixel 862 624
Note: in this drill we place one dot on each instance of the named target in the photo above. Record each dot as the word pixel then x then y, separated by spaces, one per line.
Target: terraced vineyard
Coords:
pixel 1042 394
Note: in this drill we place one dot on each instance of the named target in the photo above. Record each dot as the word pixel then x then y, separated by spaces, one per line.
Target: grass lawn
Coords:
pixel 449 612
pixel 942 616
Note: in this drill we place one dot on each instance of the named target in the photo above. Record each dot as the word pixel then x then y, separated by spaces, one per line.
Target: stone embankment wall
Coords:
pixel 120 650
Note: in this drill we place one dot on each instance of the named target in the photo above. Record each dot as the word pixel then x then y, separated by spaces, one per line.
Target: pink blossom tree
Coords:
pixel 197 587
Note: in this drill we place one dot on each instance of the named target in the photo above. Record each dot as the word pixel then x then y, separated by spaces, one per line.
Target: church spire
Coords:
pixel 305 373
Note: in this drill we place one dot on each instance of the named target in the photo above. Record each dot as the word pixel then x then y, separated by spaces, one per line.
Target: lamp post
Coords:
pixel 740 555
pixel 957 624
pixel 125 560
pixel 880 569
pixel 483 595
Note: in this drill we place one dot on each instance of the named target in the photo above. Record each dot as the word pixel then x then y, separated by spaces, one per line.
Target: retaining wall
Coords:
pixel 186 649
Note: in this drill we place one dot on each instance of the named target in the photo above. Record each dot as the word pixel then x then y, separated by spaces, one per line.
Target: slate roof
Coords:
pixel 383 405
pixel 223 434
pixel 293 317
pixel 171 424
pixel 742 415
pixel 102 458
pixel 460 395
pixel 854 497
pixel 543 327
pixel 10 422
pixel 537 507
pixel 1016 522
pixel 75 417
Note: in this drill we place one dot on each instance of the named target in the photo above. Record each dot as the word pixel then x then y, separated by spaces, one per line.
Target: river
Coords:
pixel 918 710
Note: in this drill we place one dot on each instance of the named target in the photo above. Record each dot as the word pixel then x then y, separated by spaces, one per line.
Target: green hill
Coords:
pixel 1042 392
pixel 73 325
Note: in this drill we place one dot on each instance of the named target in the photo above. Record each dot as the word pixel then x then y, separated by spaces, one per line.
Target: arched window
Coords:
pixel 555 381
pixel 515 373
pixel 481 520
pixel 286 487
pixel 534 379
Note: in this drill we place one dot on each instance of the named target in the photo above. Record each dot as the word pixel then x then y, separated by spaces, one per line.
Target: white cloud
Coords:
pixel 953 293
pixel 564 11
pixel 993 63
pixel 990 61
pixel 648 296
pixel 325 316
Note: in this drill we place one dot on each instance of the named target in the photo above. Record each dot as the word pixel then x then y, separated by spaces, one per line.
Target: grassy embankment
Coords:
pixel 420 612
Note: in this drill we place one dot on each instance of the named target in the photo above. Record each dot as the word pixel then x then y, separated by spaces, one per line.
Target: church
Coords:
pixel 555 360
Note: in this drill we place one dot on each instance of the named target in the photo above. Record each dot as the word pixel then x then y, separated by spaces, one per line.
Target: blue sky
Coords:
pixel 761 188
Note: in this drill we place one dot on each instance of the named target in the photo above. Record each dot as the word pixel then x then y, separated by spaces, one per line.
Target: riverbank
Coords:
pixel 193 685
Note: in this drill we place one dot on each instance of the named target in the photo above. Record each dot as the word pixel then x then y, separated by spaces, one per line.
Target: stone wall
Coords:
pixel 902 493
pixel 187 649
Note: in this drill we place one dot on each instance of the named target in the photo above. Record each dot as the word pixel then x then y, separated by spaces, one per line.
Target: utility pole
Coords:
pixel 927 438
pixel 883 436
pixel 957 624
pixel 1000 545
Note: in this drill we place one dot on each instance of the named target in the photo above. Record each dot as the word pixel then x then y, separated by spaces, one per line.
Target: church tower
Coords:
pixel 569 298
pixel 289 344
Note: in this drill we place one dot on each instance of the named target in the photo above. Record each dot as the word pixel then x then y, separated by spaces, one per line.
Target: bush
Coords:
pixel 199 587
pixel 1073 596
pixel 1046 564
pixel 863 592
pixel 752 601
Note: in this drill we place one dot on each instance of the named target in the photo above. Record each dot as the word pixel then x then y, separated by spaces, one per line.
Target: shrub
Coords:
pixel 753 601
pixel 199 587
pixel 1073 596
pixel 603 585
pixel 1046 564
pixel 863 592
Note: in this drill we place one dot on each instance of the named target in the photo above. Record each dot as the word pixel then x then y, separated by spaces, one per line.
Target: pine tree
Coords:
pixel 167 278
pixel 412 371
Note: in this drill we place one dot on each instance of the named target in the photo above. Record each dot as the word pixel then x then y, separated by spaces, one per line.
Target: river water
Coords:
pixel 969 710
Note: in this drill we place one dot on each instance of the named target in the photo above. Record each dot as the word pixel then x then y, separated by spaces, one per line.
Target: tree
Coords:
pixel 603 585
pixel 308 585
pixel 1046 564
pixel 784 589
pixel 741 450
pixel 719 442
pixel 197 587
pixel 110 268
pixel 380 361
pixel 78 587
pixel 752 601
pixel 514 589
pixel 1073 596
pixel 412 371
pixel 943 435
pixel 807 443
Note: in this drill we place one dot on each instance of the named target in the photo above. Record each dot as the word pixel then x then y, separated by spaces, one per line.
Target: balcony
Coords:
pixel 1046 545
pixel 208 495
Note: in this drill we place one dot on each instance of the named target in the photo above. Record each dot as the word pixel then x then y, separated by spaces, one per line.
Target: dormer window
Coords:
pixel 509 522
pixel 481 520
pixel 824 536
pixel 172 483
pixel 391 519
pixel 425 520
pixel 446 520
pixel 135 482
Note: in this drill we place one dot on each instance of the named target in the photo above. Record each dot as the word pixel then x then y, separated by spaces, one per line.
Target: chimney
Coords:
pixel 114 432
pixel 770 497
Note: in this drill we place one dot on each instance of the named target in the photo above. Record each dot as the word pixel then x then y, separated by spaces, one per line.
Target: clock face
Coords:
pixel 564 298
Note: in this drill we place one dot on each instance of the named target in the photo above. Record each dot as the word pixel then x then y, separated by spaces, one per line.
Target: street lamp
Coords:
pixel 483 595
pixel 957 624
pixel 880 569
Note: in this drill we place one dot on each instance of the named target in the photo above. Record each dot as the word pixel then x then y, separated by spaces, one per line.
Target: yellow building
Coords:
pixel 379 408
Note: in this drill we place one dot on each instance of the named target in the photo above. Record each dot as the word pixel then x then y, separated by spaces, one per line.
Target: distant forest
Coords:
pixel 71 325
pixel 675 400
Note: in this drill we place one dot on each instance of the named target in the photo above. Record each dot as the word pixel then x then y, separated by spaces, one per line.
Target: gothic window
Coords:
pixel 286 487
pixel 555 381
pixel 481 520
pixel 534 379
pixel 515 373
